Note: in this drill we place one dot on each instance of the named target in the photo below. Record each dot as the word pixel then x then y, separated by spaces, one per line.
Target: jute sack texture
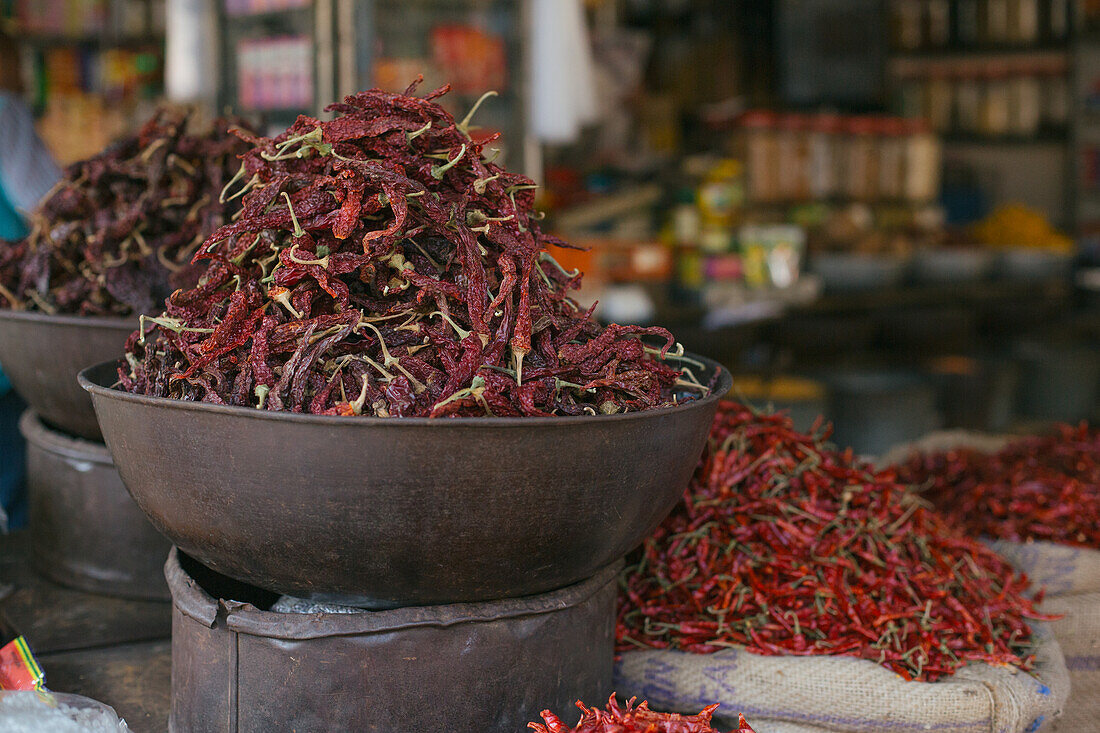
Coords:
pixel 789 694
pixel 1071 577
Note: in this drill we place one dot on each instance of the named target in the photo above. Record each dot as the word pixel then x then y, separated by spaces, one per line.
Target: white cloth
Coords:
pixel 562 80
pixel 27 172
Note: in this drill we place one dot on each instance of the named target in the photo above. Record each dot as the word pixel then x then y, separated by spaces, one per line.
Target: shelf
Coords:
pixel 103 41
pixel 269 15
pixel 1046 51
pixel 982 292
pixel 278 111
pixel 1045 138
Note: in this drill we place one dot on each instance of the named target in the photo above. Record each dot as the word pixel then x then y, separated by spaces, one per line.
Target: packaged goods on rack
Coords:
pixel 1037 502
pixel 791 575
pixel 248 7
pixel 998 97
pixel 930 25
pixel 628 718
pixel 275 73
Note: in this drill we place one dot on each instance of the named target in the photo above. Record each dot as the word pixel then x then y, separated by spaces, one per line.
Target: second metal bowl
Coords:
pixel 42 354
pixel 385 512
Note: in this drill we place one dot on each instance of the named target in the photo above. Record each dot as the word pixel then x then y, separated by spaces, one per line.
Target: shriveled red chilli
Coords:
pixel 383 265
pixel 783 545
pixel 116 235
pixel 631 719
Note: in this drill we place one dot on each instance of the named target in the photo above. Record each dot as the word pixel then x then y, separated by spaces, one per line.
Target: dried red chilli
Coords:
pixel 1037 488
pixel 631 719
pixel 381 265
pixel 783 545
pixel 115 236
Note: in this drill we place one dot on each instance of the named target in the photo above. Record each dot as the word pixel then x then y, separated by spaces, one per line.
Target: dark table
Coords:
pixel 109 649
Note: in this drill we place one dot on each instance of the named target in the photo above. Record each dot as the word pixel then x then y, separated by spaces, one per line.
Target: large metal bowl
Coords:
pixel 385 512
pixel 42 354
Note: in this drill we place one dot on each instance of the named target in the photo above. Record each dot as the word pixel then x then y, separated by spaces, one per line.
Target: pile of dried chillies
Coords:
pixel 382 265
pixel 1039 488
pixel 116 235
pixel 630 719
pixel 785 546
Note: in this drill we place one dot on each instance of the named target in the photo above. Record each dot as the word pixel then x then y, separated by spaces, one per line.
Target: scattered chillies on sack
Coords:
pixel 785 546
pixel 630 719
pixel 116 235
pixel 1037 488
pixel 383 265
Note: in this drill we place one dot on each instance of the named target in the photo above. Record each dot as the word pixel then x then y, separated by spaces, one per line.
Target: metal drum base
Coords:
pixel 489 667
pixel 86 531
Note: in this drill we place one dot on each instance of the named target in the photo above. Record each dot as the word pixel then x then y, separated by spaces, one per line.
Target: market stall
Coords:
pixel 499 367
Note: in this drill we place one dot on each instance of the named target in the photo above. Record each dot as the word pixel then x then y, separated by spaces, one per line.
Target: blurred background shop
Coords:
pixel 888 212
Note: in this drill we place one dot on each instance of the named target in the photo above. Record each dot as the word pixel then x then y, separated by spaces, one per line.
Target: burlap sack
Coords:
pixel 818 694
pixel 1071 577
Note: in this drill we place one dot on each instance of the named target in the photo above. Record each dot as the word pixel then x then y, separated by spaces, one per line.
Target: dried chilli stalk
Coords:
pixel 117 233
pixel 783 545
pixel 1037 488
pixel 381 265
pixel 631 719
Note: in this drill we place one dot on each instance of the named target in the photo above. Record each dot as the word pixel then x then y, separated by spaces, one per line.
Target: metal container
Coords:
pixel 387 512
pixel 849 272
pixel 952 265
pixel 86 531
pixel 487 667
pixel 42 354
pixel 1030 264
pixel 924 330
pixel 1058 381
pixel 874 410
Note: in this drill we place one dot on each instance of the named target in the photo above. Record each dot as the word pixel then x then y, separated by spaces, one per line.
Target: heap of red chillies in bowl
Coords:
pixel 383 265
pixel 1037 488
pixel 116 235
pixel 633 719
pixel 784 545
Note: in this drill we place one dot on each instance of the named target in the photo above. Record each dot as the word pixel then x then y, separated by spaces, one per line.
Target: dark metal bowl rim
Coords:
pixel 194 601
pixel 90 379
pixel 60 443
pixel 70 319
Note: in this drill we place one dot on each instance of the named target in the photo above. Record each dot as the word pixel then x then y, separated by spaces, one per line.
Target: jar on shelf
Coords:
pixel 910 96
pixel 968 32
pixel 1023 22
pixel 891 133
pixel 1056 21
pixel 794 158
pixel 937 23
pixel 1054 88
pixel 968 102
pixel 922 163
pixel 761 154
pixel 938 97
pixel 906 24
pixel 861 158
pixel 995 27
pixel 995 102
pixel 1024 101
pixel 825 136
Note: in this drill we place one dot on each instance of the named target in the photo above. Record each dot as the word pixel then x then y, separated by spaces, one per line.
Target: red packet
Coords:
pixel 18 668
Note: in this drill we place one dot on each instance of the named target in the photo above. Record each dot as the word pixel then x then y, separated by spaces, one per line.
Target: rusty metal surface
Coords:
pixel 134 679
pixel 402 511
pixel 486 667
pixel 54 618
pixel 42 354
pixel 86 530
